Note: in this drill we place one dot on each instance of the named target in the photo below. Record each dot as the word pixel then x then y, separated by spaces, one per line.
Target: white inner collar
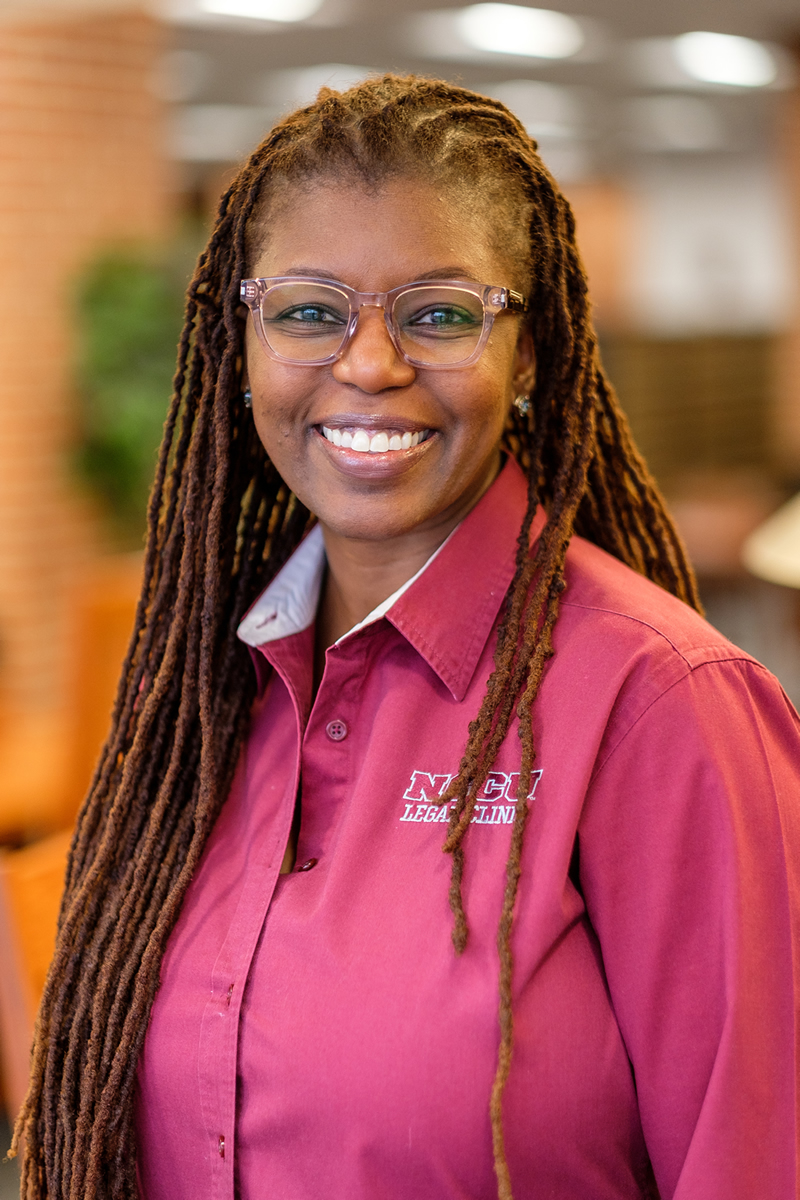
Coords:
pixel 289 604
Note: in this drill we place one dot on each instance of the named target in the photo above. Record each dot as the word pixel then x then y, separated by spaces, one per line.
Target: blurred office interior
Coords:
pixel 673 128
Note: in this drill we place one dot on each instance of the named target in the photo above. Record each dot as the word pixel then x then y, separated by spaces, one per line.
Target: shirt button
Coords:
pixel 336 731
pixel 309 864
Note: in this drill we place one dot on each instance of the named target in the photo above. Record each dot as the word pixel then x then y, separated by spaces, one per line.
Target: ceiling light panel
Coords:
pixel 709 61
pixel 503 32
pixel 513 29
pixel 241 14
pixel 287 11
pixel 722 58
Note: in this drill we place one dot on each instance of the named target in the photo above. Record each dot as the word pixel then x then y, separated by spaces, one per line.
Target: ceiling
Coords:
pixel 779 19
pixel 375 33
pixel 598 113
pixel 606 110
pixel 368 22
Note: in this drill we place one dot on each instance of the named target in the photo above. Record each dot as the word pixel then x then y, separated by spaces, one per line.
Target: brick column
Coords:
pixel 81 164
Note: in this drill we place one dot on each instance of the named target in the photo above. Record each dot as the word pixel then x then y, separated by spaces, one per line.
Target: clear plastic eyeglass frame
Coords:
pixel 493 298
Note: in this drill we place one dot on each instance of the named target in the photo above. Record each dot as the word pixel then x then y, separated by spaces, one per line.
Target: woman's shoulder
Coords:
pixel 615 601
pixel 666 695
pixel 630 644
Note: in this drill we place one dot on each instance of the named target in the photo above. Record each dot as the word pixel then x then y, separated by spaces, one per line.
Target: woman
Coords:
pixel 438 659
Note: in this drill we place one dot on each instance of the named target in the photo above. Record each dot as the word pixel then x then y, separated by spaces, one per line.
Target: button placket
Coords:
pixel 328 747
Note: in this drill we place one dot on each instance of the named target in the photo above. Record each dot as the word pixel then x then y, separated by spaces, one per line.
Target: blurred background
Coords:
pixel 674 129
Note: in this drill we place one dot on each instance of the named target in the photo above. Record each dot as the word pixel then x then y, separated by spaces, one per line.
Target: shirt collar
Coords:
pixel 451 610
pixel 446 611
pixel 289 604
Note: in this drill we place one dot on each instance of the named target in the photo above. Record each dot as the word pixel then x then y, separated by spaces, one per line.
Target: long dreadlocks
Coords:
pixel 221 523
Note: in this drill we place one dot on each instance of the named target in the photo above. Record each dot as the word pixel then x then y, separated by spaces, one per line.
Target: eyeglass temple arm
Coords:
pixel 515 301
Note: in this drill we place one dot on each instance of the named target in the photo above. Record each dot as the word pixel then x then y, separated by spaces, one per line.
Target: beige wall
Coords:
pixel 604 213
pixel 81 163
pixel 787 411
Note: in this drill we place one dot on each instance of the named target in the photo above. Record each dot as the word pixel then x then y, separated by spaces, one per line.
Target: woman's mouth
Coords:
pixel 373 441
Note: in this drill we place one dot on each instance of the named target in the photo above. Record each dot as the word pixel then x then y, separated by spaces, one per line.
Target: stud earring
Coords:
pixel 247 396
pixel 522 404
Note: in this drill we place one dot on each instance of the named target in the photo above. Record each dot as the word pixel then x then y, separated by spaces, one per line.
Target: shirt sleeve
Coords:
pixel 688 851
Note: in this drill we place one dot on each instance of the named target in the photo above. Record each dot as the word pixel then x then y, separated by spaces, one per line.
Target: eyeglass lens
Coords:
pixel 305 322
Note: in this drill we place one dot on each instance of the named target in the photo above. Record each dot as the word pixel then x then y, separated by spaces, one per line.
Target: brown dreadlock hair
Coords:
pixel 221 523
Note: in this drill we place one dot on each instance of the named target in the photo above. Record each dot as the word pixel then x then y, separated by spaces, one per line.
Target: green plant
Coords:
pixel 129 317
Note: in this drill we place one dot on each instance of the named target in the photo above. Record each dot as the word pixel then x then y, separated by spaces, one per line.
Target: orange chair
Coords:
pixel 31 883
pixel 46 764
pixel 103 615
pixel 47 759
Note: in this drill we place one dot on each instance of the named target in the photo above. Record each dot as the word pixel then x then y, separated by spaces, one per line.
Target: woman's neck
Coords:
pixel 361 575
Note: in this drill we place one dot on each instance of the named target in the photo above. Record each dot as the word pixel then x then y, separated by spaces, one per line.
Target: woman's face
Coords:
pixel 374 241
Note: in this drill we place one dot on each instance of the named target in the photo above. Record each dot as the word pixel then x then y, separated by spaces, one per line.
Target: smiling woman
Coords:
pixel 394 470
pixel 385 239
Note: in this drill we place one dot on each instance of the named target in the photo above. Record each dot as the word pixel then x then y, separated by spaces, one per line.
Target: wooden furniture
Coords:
pixel 31 883
pixel 47 757
pixel 46 765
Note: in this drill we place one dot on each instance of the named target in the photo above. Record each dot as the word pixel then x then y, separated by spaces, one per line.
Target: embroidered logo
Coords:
pixel 495 804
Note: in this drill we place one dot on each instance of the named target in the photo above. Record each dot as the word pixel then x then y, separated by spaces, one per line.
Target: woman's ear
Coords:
pixel 524 363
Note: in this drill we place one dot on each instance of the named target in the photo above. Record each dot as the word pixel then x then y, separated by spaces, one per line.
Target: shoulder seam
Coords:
pixel 721 653
pixel 691 668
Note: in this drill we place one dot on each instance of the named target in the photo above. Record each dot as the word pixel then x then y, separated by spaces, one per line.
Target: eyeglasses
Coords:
pixel 310 322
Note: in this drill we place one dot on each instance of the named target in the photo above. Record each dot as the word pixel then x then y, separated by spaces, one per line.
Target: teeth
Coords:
pixel 373 443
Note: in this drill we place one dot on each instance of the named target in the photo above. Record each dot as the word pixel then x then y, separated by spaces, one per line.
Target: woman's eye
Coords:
pixel 443 317
pixel 310 314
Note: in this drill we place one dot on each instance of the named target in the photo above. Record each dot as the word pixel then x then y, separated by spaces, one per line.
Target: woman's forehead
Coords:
pixel 335 226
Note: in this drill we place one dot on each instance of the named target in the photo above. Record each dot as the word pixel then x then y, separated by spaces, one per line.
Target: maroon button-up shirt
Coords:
pixel 316 1037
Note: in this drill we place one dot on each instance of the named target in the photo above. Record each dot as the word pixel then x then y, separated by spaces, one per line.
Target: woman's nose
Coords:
pixel 370 361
